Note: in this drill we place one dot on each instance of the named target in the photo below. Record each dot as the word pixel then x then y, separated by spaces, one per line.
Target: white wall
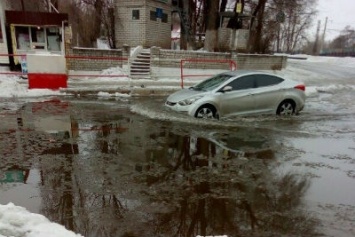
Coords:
pixel 46 63
pixel 3 43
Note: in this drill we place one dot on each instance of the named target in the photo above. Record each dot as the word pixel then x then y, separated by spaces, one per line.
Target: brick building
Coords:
pixel 143 22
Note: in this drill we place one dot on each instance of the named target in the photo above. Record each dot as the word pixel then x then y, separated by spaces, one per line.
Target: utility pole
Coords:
pixel 323 37
pixel 315 47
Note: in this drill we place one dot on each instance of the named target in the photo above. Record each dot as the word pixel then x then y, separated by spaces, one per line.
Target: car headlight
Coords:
pixel 189 101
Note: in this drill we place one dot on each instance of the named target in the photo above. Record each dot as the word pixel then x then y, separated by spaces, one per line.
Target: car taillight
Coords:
pixel 300 87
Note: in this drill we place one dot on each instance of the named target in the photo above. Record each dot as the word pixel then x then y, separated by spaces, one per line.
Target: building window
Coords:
pixel 135 14
pixel 165 18
pixel 153 16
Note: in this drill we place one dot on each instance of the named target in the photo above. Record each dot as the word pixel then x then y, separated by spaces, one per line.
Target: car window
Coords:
pixel 242 83
pixel 211 83
pixel 267 80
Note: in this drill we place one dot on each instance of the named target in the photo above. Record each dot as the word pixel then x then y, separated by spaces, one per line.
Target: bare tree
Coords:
pixel 256 36
pixel 346 39
pixel 90 19
pixel 212 19
pixel 298 17
pixel 96 11
pixel 29 5
pixel 279 25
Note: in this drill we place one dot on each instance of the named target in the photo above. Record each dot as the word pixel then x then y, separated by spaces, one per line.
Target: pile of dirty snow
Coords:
pixel 18 222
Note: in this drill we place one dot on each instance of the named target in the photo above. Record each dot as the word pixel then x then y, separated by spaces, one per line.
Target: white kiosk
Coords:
pixel 46 71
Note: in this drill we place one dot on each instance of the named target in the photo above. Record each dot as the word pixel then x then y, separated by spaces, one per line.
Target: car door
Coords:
pixel 267 93
pixel 239 100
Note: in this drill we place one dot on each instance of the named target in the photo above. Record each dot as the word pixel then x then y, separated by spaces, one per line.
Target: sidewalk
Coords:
pixel 125 85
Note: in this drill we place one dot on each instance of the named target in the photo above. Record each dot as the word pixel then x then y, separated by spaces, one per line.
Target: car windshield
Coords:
pixel 211 83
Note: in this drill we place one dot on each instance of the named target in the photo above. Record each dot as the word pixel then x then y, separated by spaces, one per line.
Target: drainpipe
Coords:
pixel 63 37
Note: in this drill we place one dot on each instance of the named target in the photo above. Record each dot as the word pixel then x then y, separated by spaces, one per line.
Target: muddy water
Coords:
pixel 130 168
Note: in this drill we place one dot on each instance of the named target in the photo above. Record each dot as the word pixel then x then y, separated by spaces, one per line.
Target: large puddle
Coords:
pixel 131 168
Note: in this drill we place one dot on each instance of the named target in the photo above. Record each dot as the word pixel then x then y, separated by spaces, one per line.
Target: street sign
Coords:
pixel 159 13
pixel 12 176
pixel 238 8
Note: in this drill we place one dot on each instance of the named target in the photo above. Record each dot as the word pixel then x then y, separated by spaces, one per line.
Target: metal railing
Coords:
pixel 232 66
pixel 16 73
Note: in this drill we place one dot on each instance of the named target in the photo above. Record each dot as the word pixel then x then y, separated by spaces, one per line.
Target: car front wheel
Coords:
pixel 286 108
pixel 206 112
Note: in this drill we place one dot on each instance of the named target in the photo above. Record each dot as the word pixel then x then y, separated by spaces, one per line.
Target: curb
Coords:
pixel 136 92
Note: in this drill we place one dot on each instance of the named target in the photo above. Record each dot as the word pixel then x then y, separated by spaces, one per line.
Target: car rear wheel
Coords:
pixel 286 108
pixel 206 112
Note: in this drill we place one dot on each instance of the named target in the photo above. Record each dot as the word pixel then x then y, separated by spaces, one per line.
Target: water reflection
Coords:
pixel 237 197
pixel 15 174
pixel 108 172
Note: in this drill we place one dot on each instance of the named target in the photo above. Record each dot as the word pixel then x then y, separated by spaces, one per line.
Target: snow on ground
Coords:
pixel 14 87
pixel 344 61
pixel 17 221
pixel 113 74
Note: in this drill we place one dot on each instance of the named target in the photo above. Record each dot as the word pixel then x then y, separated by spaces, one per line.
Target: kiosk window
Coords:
pixel 38 38
pixel 37 34
pixel 23 38
pixel 53 39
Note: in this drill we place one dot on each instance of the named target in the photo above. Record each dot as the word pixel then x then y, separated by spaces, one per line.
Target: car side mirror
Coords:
pixel 227 89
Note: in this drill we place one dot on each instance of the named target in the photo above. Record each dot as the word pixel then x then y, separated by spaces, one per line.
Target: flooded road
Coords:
pixel 129 167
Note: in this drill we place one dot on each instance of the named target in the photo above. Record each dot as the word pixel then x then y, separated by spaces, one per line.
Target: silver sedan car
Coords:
pixel 240 93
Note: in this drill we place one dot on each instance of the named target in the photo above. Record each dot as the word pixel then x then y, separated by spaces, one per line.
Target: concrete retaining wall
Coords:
pixel 161 59
pixel 261 62
pixel 172 58
pixel 212 60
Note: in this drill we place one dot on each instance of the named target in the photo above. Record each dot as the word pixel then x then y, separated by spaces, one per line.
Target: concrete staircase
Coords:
pixel 140 66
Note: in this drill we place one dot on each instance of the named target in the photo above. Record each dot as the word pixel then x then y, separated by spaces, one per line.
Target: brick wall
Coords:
pixel 90 63
pixel 128 30
pixel 172 58
pixel 162 58
pixel 158 32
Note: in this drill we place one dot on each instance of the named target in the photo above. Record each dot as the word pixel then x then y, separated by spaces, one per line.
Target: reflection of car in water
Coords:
pixel 243 145
pixel 240 93
pixel 200 147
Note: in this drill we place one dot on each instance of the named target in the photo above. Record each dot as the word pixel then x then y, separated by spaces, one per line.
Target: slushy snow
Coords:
pixel 14 87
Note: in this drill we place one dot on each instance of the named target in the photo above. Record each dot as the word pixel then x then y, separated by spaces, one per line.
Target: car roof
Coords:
pixel 246 72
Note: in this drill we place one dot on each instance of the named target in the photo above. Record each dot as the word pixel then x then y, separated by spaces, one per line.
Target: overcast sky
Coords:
pixel 340 13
